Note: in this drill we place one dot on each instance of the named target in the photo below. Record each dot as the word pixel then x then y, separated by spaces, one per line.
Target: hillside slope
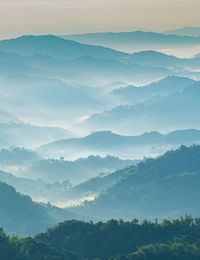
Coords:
pixel 20 215
pixel 161 187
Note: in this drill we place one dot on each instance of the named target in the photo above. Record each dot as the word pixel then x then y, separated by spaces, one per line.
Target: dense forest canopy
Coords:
pixel 114 240
pixel 161 187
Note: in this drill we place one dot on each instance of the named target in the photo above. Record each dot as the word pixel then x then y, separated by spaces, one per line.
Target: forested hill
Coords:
pixel 114 240
pixel 20 215
pixel 108 239
pixel 161 187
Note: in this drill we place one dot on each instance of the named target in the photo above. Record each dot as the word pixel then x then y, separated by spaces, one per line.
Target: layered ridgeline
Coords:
pixel 161 187
pixel 75 172
pixel 156 188
pixel 66 82
pixel 75 240
pixel 107 142
pixel 186 31
pixel 166 86
pixel 16 132
pixel 53 180
pixel 136 40
pixel 177 110
pixel 16 156
pixel 29 136
pixel 49 97
pixel 28 163
pixel 20 215
pixel 47 56
pixel 53 56
pixel 47 45
pixel 54 76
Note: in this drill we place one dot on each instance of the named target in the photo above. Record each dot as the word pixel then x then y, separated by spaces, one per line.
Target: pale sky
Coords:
pixel 19 17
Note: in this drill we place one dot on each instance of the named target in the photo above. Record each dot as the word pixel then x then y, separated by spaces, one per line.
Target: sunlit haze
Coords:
pixel 78 16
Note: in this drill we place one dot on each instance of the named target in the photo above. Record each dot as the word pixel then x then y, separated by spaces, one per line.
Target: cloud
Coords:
pixel 82 118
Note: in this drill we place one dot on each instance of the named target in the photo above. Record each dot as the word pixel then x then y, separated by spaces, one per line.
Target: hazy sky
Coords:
pixel 71 16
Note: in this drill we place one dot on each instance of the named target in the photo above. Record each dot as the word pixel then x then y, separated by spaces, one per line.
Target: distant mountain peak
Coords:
pixel 192 31
pixel 105 133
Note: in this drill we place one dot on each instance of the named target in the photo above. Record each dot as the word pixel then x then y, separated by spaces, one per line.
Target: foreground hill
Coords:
pixel 75 240
pixel 113 238
pixel 161 187
pixel 13 248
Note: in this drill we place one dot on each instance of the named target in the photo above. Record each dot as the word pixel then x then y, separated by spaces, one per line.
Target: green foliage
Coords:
pixel 165 186
pixel 172 251
pixel 22 216
pixel 176 239
pixel 13 248
pixel 119 238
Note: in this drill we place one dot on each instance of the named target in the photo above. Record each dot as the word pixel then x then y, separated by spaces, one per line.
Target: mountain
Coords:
pixel 113 69
pixel 132 94
pixel 136 40
pixel 90 189
pixel 55 181
pixel 163 187
pixel 56 47
pixel 29 136
pixel 38 190
pixel 75 172
pixel 62 90
pixel 17 156
pixel 85 70
pixel 61 86
pixel 11 64
pixel 20 215
pixel 133 147
pixel 157 59
pixel 99 140
pixel 50 97
pixel 163 60
pixel 102 143
pixel 177 110
pixel 186 31
pixel 59 193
